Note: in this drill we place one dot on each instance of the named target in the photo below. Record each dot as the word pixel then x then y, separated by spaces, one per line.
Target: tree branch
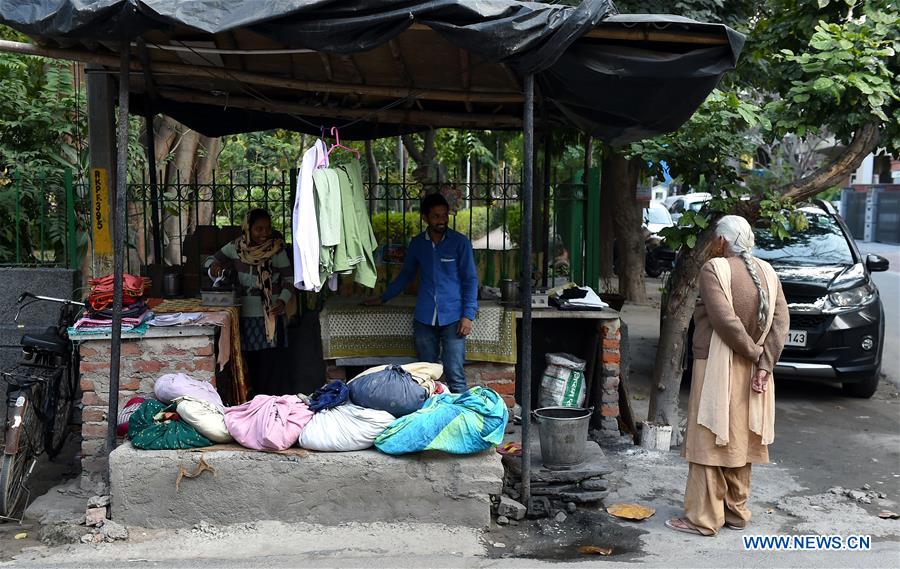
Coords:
pixel 865 140
pixel 410 145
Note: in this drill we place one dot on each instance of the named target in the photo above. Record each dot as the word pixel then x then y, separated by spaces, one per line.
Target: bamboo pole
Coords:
pixel 405 116
pixel 160 67
pixel 635 34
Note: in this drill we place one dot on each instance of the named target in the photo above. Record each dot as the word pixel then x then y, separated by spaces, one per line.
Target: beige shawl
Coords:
pixel 716 394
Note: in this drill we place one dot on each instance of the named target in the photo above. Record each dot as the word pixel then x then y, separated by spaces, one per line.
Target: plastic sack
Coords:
pixel 390 389
pixel 149 432
pixel 208 419
pixel 344 428
pixel 563 384
pixel 464 423
pixel 268 422
pixel 425 374
pixel 171 386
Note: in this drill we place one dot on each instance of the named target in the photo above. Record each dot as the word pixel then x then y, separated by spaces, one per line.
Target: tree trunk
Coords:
pixel 607 230
pixel 181 169
pixel 373 175
pixel 205 166
pixel 428 172
pixel 621 174
pixel 676 316
pixel 682 296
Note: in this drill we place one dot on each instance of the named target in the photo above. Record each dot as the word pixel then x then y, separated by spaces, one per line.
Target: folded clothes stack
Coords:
pixel 98 312
pixel 176 319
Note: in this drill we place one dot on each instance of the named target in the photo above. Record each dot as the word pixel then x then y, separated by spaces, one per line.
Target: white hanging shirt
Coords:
pixel 305 227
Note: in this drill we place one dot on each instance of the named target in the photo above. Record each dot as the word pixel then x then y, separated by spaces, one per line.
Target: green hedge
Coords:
pixel 476 216
pixel 395 222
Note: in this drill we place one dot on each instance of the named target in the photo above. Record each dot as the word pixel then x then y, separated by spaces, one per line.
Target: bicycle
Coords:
pixel 40 396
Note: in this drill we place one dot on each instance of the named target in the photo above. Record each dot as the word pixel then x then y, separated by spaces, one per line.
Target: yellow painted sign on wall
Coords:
pixel 102 227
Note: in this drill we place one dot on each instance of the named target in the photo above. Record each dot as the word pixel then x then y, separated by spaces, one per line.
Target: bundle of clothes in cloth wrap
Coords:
pixel 398 409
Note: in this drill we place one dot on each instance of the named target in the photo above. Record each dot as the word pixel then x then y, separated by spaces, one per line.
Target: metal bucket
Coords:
pixel 564 433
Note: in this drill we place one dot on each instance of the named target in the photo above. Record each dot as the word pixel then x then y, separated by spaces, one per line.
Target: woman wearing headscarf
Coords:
pixel 262 273
pixel 739 330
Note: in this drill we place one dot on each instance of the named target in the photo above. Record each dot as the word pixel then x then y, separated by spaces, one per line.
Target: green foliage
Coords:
pixel 514 223
pixel 402 229
pixel 704 149
pixel 471 221
pixel 845 78
pixel 808 65
pixel 38 139
pixel 275 151
pixel 455 145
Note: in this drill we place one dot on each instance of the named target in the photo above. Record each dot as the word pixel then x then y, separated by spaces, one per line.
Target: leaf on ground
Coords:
pixel 22 535
pixel 638 397
pixel 594 550
pixel 631 511
pixel 888 515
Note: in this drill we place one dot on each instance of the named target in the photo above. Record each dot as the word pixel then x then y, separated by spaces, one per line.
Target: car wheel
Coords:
pixel 863 389
pixel 653 269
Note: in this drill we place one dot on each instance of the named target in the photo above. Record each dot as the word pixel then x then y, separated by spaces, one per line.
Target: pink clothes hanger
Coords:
pixel 337 143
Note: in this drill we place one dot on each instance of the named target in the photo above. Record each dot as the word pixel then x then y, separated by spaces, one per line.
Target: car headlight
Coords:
pixel 853 297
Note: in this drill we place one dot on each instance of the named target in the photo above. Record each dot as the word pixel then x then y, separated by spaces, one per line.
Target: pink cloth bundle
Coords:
pixel 268 422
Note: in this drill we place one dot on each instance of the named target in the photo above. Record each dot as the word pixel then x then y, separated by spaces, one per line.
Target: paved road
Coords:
pixel 889 286
pixel 890 252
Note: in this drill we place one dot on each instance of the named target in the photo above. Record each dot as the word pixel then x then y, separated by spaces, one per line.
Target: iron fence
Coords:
pixel 46 222
pixel 486 212
pixel 42 220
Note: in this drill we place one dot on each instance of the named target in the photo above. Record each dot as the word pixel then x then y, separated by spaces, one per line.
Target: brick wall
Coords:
pixel 499 377
pixel 143 361
pixel 502 378
pixel 608 378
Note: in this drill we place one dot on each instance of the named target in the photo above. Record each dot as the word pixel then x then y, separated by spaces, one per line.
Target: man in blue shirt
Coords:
pixel 448 291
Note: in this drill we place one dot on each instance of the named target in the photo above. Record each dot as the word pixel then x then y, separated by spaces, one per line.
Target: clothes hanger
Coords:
pixel 323 161
pixel 337 143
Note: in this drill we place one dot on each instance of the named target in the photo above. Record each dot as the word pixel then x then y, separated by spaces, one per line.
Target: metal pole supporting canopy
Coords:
pixel 118 252
pixel 524 369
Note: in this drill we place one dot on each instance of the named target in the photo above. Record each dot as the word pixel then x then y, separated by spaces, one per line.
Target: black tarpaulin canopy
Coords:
pixel 394 66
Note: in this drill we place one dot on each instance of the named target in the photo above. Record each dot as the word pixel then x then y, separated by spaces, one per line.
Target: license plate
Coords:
pixel 796 338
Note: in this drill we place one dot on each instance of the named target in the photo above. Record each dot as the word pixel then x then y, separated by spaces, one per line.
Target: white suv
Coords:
pixel 679 204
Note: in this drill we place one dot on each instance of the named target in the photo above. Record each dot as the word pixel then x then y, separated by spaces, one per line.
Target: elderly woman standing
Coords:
pixel 739 330
pixel 263 275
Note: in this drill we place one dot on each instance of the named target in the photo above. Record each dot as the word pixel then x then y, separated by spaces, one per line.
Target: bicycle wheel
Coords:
pixel 17 466
pixel 60 403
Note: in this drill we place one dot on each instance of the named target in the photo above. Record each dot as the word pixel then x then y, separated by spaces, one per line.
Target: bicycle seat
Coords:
pixel 48 341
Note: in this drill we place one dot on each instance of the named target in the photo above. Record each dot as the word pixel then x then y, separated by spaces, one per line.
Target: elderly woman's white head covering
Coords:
pixel 739 239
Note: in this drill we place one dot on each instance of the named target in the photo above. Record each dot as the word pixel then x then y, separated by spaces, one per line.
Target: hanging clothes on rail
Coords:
pixel 328 209
pixel 331 227
pixel 356 252
pixel 305 242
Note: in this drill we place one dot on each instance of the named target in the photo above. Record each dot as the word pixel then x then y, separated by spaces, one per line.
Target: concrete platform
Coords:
pixel 595 464
pixel 301 486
